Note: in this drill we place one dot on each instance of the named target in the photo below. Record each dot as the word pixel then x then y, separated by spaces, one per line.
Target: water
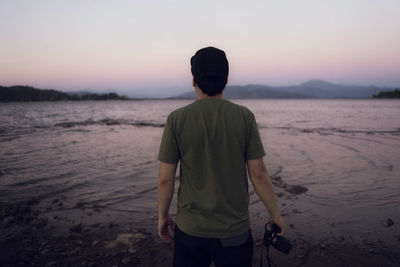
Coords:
pixel 100 157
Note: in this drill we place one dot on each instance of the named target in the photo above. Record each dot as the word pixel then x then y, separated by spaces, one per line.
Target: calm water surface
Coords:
pixel 101 157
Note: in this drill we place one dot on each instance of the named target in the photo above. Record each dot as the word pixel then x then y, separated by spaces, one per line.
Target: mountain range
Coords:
pixel 22 93
pixel 310 89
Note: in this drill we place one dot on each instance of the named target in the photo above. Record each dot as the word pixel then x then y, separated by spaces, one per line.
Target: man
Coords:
pixel 215 142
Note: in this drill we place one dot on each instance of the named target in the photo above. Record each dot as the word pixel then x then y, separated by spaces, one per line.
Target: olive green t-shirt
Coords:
pixel 212 138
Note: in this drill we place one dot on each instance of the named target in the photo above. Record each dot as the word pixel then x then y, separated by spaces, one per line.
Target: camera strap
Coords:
pixel 267 257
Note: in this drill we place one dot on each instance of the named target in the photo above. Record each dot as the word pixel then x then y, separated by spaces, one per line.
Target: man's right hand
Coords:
pixel 280 222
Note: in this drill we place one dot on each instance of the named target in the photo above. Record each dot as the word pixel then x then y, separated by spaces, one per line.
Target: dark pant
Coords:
pixel 190 251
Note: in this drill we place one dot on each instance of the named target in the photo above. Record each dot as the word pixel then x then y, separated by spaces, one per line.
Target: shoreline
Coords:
pixel 28 237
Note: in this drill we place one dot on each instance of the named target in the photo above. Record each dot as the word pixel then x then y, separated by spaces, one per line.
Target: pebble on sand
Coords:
pixel 125 239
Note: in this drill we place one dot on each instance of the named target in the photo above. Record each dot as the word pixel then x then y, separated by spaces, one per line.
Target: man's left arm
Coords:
pixel 166 185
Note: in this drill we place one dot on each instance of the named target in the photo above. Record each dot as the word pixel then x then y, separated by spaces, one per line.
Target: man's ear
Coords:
pixel 193 82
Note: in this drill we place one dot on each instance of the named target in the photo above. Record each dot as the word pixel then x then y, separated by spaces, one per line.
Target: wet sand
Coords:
pixel 31 237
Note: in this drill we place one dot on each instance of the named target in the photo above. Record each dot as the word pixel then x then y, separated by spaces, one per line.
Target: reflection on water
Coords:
pixel 102 156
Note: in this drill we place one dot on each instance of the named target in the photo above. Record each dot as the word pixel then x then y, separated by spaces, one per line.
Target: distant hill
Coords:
pixel 27 93
pixel 310 89
pixel 323 89
pixel 388 94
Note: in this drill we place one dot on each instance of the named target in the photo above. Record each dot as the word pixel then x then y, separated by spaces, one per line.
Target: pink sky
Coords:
pixel 145 46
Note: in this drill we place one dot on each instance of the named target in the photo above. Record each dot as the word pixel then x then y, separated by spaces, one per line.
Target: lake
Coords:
pixel 97 160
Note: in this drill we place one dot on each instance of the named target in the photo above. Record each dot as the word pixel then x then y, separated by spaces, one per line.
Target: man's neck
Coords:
pixel 201 95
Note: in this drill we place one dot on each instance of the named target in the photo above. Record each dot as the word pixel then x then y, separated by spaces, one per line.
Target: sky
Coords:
pixel 143 47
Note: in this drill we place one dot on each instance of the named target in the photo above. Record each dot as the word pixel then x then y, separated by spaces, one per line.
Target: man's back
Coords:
pixel 213 140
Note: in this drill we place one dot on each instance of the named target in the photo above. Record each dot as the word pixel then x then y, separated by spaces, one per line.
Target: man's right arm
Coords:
pixel 262 185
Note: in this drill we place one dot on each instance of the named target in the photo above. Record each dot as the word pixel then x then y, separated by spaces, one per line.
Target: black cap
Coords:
pixel 209 61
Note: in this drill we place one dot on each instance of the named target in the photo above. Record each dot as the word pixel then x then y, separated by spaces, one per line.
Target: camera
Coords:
pixel 279 242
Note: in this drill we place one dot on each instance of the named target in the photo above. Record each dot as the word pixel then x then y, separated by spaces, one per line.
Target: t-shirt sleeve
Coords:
pixel 169 151
pixel 255 149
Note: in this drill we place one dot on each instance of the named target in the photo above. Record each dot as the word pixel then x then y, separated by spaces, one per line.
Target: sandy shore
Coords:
pixel 27 238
